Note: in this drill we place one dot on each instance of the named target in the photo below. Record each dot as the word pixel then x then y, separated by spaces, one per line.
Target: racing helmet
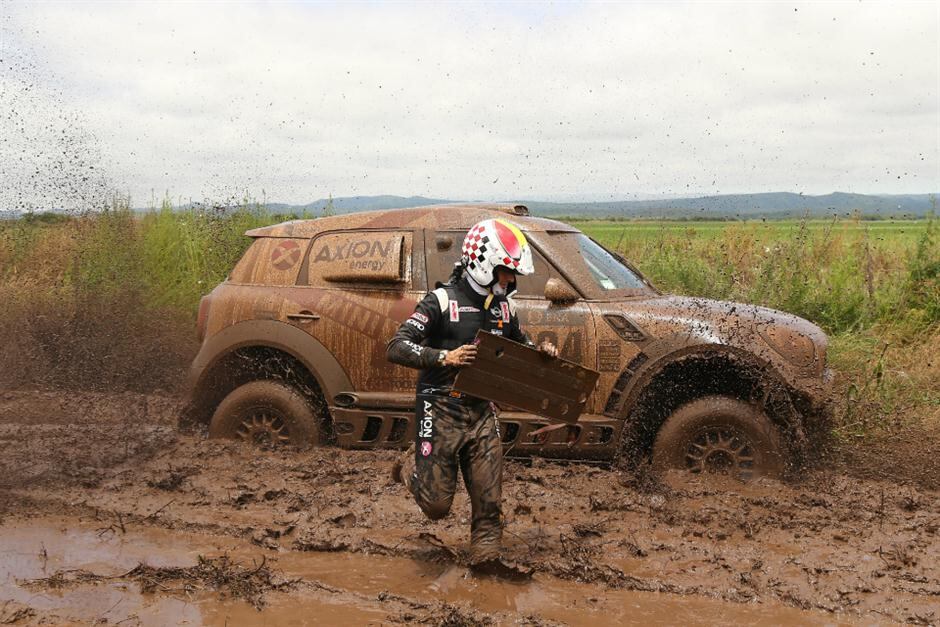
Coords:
pixel 493 243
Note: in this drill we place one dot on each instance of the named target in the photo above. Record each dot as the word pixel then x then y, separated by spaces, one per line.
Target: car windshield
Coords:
pixel 589 262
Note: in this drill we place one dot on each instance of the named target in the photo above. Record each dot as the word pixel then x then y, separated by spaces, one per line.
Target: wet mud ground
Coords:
pixel 109 515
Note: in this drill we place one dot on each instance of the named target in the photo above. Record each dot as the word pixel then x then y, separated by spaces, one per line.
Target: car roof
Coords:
pixel 450 217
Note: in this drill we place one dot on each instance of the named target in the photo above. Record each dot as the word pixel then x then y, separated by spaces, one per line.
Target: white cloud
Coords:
pixel 302 100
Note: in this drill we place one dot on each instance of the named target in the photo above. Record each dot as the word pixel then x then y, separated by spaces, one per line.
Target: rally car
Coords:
pixel 293 347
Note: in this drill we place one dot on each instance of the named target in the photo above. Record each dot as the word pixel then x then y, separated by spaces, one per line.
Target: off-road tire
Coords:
pixel 267 413
pixel 718 431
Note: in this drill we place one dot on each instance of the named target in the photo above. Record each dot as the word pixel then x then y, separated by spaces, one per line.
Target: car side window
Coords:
pixel 444 250
pixel 366 259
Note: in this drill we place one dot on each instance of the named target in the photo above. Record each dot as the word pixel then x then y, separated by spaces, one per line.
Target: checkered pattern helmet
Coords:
pixel 493 243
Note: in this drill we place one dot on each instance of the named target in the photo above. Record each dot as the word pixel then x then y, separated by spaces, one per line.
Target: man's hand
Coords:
pixel 461 356
pixel 548 348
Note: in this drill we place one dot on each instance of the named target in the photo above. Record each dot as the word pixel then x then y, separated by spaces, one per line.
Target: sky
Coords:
pixel 291 101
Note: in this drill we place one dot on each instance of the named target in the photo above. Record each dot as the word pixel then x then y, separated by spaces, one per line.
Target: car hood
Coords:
pixel 750 327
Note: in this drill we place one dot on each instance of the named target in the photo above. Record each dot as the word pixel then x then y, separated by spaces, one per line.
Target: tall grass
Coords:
pixel 107 300
pixel 170 256
pixel 121 276
pixel 837 274
pixel 187 253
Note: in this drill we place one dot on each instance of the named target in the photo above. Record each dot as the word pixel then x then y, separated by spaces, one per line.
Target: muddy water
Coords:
pixel 337 588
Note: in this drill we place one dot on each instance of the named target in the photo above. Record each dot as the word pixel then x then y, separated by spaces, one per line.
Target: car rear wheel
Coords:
pixel 718 434
pixel 268 414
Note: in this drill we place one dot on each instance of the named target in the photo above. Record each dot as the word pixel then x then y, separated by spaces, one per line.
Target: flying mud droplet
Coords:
pixel 49 160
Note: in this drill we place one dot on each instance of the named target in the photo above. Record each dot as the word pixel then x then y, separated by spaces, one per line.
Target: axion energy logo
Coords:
pixel 285 255
pixel 426 426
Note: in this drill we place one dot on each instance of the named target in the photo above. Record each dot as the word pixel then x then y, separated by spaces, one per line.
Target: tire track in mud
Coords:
pixel 829 542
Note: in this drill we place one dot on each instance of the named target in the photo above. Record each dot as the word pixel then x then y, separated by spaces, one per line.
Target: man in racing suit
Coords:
pixel 454 429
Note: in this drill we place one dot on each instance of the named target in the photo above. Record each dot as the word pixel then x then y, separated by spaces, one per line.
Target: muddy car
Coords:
pixel 293 347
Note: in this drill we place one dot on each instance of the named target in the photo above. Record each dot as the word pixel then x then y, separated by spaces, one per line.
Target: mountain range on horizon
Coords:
pixel 772 205
pixel 744 206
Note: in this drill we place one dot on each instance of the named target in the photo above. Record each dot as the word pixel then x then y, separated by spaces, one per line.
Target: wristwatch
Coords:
pixel 441 358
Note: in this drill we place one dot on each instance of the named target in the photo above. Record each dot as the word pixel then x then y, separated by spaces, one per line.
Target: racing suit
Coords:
pixel 454 429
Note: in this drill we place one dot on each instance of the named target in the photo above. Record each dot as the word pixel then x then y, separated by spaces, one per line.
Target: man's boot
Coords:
pixel 497 567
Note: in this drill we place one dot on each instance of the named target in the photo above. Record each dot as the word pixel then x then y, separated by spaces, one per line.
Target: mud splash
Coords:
pixel 63 570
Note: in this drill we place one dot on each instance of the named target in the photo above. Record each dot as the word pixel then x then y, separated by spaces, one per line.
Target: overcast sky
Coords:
pixel 295 101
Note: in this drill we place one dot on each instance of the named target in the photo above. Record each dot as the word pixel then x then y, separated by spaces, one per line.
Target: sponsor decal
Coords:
pixel 426 427
pixel 468 309
pixel 415 324
pixel 285 255
pixel 569 348
pixel 454 312
pixel 415 348
pixel 504 309
pixel 496 312
pixel 420 317
pixel 426 448
pixel 351 314
pixel 355 250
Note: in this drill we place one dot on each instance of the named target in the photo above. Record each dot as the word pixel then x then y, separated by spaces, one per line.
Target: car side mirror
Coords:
pixel 559 292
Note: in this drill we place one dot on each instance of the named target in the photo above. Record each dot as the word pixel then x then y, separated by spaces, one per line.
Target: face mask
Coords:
pixel 479 289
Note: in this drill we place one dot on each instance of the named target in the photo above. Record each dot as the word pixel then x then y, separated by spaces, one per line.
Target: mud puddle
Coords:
pixel 46 565
pixel 606 545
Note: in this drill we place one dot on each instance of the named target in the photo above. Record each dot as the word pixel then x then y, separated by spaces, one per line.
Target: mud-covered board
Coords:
pixel 509 373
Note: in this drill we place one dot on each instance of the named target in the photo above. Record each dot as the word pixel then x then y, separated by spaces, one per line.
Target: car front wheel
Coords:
pixel 266 413
pixel 718 434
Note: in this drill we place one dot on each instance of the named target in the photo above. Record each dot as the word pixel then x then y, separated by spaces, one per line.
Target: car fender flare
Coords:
pixel 274 334
pixel 664 351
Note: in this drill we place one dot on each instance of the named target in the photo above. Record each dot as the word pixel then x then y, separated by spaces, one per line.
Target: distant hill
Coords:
pixel 743 206
pixel 350 204
pixel 768 205
pixel 773 205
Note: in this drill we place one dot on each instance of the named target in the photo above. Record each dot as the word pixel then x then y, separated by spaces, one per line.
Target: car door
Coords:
pixel 361 285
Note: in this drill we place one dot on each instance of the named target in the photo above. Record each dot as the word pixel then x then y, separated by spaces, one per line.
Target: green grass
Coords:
pixel 873 286
pixel 610 231
pixel 171 257
pixel 846 275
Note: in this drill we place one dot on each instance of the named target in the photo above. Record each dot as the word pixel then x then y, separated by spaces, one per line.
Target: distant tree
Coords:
pixel 328 208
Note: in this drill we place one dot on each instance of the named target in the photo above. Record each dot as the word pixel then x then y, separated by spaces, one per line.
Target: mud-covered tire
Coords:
pixel 722 434
pixel 266 413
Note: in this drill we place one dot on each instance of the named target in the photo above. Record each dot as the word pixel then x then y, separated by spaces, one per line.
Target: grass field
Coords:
pixel 610 232
pixel 873 286
pixel 845 275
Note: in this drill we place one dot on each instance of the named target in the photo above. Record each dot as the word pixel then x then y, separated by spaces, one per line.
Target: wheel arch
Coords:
pixel 673 375
pixel 245 350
